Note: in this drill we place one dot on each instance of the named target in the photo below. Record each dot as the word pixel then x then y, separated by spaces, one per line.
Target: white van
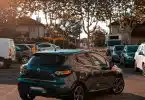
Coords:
pixel 7 52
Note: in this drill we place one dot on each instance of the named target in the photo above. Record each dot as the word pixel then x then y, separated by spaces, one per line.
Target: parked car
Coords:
pixel 127 56
pixel 26 46
pixel 140 59
pixel 68 74
pixel 7 52
pixel 23 53
pixel 116 53
pixel 110 45
pixel 46 46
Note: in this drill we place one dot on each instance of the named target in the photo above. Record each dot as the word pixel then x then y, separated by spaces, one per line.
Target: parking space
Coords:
pixel 134 88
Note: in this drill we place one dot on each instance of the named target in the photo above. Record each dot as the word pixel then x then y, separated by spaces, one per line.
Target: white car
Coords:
pixel 140 58
pixel 46 46
pixel 7 52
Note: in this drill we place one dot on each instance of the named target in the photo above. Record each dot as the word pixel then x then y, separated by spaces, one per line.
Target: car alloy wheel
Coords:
pixel 24 92
pixel 118 86
pixel 78 93
pixel 24 60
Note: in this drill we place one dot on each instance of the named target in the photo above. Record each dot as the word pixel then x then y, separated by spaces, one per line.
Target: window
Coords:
pixel 119 48
pixel 99 61
pixel 32 29
pixel 132 48
pixel 44 45
pixel 23 47
pixel 47 59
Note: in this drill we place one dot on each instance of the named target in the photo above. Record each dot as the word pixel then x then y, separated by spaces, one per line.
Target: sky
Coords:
pixel 102 25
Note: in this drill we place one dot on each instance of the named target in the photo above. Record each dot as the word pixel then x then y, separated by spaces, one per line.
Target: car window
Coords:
pixel 44 45
pixel 99 60
pixel 84 59
pixel 23 47
pixel 17 48
pixel 119 48
pixel 47 59
pixel 132 48
pixel 31 46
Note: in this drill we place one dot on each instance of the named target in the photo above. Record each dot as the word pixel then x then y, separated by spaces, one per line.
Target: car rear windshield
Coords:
pixel 132 48
pixel 113 42
pixel 119 48
pixel 47 59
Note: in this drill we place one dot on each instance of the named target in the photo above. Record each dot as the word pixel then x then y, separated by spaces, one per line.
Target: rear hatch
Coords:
pixel 44 66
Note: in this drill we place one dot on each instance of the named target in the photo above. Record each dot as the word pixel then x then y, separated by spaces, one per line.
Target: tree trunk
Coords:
pixel 88 42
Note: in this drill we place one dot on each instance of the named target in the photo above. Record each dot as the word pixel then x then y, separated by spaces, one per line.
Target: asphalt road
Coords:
pixel 134 88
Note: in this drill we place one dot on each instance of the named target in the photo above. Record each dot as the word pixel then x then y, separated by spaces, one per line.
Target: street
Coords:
pixel 134 88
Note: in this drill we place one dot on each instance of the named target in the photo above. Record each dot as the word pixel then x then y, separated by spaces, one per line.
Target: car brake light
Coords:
pixel 63 73
pixel 10 52
pixel 23 69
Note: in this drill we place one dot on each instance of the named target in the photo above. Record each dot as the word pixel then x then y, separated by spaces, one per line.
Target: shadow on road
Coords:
pixel 9 76
pixel 123 96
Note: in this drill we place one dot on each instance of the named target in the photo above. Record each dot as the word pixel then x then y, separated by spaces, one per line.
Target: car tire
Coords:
pixel 135 67
pixel 78 93
pixel 24 92
pixel 143 69
pixel 2 63
pixel 118 85
pixel 24 59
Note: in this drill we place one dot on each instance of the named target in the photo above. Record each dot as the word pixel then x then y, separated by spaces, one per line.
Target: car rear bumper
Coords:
pixel 46 89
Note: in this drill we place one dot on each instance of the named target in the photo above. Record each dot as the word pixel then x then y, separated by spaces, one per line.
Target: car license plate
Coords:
pixel 39 89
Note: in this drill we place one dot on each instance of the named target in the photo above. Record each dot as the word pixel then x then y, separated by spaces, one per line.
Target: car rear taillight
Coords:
pixel 63 73
pixel 10 52
pixel 23 69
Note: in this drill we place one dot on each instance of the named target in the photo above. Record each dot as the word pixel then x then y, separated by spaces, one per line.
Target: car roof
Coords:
pixel 63 51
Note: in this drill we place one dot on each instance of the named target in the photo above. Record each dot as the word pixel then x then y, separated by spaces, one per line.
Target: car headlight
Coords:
pixel 23 69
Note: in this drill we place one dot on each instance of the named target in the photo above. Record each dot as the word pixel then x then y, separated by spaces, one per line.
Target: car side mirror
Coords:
pixel 141 53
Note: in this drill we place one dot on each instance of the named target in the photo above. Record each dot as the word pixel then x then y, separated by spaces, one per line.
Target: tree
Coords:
pixel 88 12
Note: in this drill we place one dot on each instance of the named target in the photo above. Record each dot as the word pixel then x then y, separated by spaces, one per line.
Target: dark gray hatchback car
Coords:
pixel 68 74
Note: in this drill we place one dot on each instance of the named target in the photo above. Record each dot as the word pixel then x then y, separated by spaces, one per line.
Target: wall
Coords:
pixel 115 29
pixel 34 31
pixel 125 32
pixel 136 40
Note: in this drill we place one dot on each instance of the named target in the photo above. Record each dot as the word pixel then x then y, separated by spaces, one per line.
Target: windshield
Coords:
pixel 112 43
pixel 44 45
pixel 31 46
pixel 132 48
pixel 47 59
pixel 119 48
